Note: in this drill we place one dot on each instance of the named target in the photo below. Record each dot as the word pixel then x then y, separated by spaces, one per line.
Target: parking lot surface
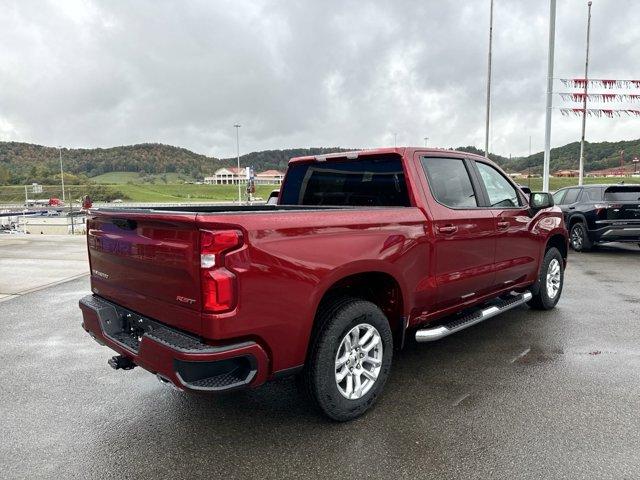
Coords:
pixel 30 262
pixel 524 395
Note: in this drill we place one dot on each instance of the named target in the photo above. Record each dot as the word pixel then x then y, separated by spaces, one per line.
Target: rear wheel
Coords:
pixel 349 360
pixel 578 237
pixel 551 281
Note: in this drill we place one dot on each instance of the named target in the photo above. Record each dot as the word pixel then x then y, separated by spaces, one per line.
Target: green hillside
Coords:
pixel 26 163
pixel 152 163
pixel 598 156
pixel 278 159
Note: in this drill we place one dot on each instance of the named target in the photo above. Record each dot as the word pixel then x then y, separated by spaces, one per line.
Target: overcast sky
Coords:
pixel 297 74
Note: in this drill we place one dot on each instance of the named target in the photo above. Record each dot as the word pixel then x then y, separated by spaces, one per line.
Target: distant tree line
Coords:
pixel 23 163
pixel 598 156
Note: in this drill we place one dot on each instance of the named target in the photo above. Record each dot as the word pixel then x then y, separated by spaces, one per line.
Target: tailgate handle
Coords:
pixel 125 223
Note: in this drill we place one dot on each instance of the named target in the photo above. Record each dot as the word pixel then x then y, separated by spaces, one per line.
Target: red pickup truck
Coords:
pixel 361 248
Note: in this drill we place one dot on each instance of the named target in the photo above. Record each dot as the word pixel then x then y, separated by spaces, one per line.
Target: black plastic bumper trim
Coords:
pixel 117 322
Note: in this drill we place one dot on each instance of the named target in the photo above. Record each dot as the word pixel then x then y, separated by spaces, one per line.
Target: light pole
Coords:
pixel 529 164
pixel 237 126
pixel 486 133
pixel 61 172
pixel 584 101
pixel 547 126
pixel 395 140
pixel 426 139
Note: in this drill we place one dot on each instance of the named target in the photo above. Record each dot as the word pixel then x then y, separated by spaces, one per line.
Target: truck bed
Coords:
pixel 222 209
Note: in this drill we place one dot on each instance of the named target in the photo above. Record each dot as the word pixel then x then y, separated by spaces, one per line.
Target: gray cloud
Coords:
pixel 347 73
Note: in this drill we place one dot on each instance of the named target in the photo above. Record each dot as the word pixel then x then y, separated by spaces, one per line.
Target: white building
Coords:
pixel 227 176
pixel 269 177
pixel 233 176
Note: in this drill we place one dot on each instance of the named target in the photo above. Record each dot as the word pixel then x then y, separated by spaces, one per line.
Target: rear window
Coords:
pixel 370 181
pixel 631 194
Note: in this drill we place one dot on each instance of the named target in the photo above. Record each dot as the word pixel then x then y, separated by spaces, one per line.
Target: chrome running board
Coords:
pixel 480 315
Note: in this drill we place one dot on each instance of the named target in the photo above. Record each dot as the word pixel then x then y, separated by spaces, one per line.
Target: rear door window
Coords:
pixel 450 182
pixel 571 196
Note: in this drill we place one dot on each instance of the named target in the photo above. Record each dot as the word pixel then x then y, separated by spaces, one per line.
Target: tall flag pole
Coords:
pixel 584 102
pixel 486 134
pixel 547 126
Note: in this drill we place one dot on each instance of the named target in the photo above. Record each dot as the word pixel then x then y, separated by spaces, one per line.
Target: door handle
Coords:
pixel 503 224
pixel 447 229
pixel 572 208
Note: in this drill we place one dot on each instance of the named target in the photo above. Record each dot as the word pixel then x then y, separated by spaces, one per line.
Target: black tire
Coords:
pixel 544 300
pixel 318 379
pixel 578 237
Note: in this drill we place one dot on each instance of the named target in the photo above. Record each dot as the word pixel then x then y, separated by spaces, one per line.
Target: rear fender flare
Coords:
pixel 576 217
pixel 361 267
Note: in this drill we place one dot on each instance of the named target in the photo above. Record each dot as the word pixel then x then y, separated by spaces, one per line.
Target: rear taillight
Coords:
pixel 218 283
pixel 600 209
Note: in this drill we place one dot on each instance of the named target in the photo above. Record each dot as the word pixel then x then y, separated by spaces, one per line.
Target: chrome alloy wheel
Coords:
pixel 553 278
pixel 358 361
pixel 576 237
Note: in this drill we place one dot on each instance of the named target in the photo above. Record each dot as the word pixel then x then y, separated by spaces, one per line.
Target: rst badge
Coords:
pixel 189 301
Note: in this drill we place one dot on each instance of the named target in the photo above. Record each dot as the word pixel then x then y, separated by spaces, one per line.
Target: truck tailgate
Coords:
pixel 148 263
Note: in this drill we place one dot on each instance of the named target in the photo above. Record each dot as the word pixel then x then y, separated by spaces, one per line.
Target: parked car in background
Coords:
pixel 273 197
pixel 526 190
pixel 362 248
pixel 600 213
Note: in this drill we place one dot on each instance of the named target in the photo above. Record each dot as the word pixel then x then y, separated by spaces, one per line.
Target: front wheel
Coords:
pixel 349 360
pixel 550 281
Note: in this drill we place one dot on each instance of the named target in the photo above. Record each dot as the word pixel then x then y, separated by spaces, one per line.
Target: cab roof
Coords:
pixel 403 151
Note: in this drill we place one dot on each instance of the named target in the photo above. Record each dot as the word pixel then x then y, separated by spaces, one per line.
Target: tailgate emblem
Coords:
pixel 100 274
pixel 190 301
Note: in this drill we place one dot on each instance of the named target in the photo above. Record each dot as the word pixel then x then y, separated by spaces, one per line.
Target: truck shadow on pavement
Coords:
pixel 246 430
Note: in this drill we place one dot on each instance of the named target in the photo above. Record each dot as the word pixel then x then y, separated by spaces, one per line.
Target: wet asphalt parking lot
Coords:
pixel 524 395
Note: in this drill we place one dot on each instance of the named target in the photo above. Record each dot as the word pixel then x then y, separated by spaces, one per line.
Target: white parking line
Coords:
pixel 460 399
pixel 518 357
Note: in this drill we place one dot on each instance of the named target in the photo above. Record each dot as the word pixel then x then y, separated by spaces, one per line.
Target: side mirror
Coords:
pixel 540 200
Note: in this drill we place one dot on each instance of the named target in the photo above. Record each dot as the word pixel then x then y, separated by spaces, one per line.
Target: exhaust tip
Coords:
pixel 167 383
